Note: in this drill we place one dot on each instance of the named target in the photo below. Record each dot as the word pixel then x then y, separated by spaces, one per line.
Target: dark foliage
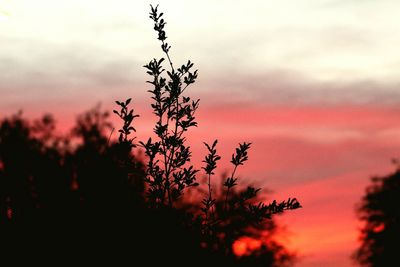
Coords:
pixel 80 199
pixel 167 173
pixel 380 213
pixel 85 199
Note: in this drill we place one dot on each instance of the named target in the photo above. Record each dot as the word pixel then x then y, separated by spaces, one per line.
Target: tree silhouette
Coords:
pixel 380 213
pixel 30 158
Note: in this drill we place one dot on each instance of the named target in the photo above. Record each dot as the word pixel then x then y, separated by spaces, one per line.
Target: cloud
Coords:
pixel 285 86
pixel 278 53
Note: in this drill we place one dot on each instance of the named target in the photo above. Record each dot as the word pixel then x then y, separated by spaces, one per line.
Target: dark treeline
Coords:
pixel 81 198
pixel 380 213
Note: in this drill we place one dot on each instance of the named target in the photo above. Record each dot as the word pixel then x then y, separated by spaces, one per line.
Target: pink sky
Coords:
pixel 322 156
pixel 317 93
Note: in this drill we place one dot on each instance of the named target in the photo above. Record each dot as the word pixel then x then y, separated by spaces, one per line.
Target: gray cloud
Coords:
pixel 287 87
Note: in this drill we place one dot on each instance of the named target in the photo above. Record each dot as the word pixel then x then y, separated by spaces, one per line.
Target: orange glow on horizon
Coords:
pixel 245 245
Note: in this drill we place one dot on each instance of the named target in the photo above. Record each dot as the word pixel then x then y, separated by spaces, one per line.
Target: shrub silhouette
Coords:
pixel 381 216
pixel 168 169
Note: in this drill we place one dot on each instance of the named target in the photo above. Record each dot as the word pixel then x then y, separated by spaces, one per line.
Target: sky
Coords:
pixel 314 85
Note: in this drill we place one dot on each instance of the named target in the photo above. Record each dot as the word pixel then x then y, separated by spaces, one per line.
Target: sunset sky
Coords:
pixel 313 84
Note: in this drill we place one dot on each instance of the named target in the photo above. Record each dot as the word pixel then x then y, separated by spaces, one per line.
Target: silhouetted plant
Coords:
pixel 127 117
pixel 380 213
pixel 168 172
pixel 209 202
pixel 229 228
pixel 234 213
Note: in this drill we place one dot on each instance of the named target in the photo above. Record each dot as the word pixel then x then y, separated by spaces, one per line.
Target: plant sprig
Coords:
pixel 167 173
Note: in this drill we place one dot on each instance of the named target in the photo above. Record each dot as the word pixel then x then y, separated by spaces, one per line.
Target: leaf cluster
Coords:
pixel 127 116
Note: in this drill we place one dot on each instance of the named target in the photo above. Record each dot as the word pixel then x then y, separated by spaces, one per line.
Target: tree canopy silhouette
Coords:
pixel 380 212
